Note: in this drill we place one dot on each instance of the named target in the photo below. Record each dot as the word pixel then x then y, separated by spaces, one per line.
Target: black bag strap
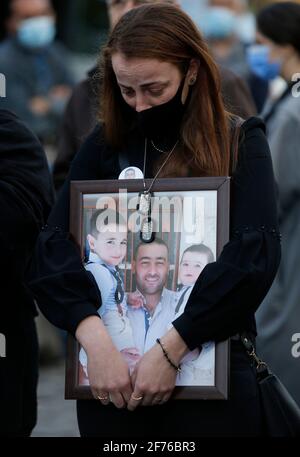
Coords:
pixel 262 369
pixel 280 412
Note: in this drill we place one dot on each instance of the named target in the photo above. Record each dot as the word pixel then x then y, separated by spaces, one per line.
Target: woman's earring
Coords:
pixel 192 80
pixel 185 92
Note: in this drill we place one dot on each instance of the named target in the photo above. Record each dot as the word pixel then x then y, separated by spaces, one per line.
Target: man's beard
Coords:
pixel 151 290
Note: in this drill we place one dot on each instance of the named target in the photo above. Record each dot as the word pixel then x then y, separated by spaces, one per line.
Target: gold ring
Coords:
pixel 137 398
pixel 102 398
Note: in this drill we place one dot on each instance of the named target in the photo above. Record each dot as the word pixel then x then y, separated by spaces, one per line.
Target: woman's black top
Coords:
pixel 228 291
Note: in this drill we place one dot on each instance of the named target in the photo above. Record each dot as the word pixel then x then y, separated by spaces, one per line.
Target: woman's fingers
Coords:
pixel 101 396
pixel 158 400
pixel 126 393
pixel 153 379
pixel 165 398
pixel 147 400
pixel 150 399
pixel 135 400
pixel 119 396
pixel 117 399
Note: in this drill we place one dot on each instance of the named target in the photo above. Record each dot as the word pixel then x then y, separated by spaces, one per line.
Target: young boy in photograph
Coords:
pixel 107 242
pixel 196 367
pixel 193 261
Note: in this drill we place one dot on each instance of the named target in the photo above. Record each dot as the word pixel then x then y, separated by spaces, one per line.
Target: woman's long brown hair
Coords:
pixel 164 32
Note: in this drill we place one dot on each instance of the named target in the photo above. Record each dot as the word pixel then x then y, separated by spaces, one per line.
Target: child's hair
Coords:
pixel 156 240
pixel 111 217
pixel 202 249
pixel 129 169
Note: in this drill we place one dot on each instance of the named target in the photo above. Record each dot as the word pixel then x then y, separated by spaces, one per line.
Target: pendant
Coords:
pixel 131 173
pixel 144 206
pixel 147 235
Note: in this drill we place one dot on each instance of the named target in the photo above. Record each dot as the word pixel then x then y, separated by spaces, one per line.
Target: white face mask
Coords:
pixel 246 28
pixel 36 32
pixel 194 8
pixel 217 23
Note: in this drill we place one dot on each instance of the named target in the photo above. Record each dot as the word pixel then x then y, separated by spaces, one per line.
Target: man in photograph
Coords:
pixel 150 320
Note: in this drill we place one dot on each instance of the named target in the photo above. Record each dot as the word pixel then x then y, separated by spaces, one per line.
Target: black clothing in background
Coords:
pixel 80 115
pixel 26 198
pixel 259 89
pixel 236 94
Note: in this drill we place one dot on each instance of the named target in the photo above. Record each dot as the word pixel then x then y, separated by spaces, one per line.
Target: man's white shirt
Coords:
pixel 159 322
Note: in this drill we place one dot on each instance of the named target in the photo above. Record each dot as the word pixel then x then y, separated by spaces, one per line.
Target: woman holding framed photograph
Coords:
pixel 162 110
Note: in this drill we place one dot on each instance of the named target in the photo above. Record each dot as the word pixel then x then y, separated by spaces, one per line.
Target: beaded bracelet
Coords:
pixel 177 368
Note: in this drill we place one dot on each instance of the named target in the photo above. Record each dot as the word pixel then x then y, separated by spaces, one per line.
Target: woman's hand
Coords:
pixel 154 377
pixel 107 371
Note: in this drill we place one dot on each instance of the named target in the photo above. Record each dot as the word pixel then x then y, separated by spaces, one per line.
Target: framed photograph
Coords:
pixel 145 252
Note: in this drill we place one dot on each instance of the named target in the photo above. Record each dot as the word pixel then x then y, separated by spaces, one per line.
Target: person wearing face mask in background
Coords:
pixel 220 23
pixel 75 127
pixel 36 69
pixel 245 26
pixel 279 315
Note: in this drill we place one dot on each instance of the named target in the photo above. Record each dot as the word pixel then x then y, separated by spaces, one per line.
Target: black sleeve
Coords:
pixel 64 290
pixel 26 197
pixel 228 291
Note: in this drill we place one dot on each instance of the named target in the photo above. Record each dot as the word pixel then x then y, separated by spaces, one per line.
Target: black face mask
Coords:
pixel 162 121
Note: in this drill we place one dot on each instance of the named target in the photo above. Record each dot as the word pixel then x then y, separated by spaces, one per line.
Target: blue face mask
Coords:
pixel 37 32
pixel 258 57
pixel 217 23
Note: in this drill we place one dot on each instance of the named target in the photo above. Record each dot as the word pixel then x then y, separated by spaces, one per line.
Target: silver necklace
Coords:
pixel 157 149
pixel 160 168
pixel 147 234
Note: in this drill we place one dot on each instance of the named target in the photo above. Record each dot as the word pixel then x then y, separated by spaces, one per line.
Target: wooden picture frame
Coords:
pixel 203 220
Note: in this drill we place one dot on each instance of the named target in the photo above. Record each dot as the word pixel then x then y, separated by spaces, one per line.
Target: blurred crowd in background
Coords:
pixel 56 43
pixel 48 54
